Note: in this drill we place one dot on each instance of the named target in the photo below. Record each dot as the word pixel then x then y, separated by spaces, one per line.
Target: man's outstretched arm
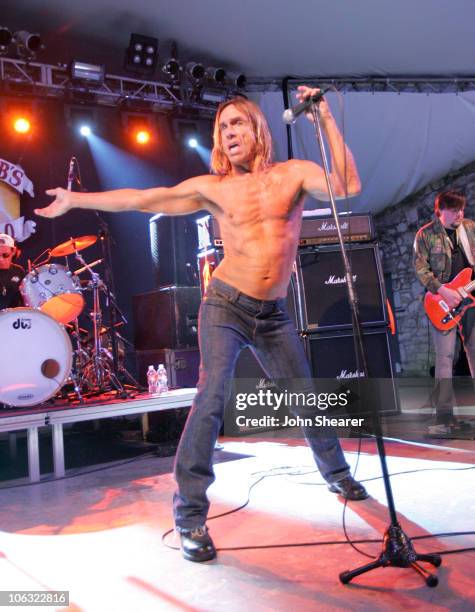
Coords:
pixel 186 197
pixel 344 177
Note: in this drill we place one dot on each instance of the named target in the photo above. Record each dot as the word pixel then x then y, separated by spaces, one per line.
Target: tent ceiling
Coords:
pixel 265 38
pixel 401 142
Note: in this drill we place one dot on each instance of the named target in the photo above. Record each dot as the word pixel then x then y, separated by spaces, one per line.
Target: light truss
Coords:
pixel 399 84
pixel 49 81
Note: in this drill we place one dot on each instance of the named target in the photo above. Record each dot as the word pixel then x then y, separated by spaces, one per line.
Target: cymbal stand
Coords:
pixel 114 311
pixel 98 372
pixel 121 370
pixel 81 357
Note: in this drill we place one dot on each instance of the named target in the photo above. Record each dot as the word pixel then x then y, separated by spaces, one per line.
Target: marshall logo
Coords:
pixel 347 374
pixel 22 324
pixel 329 226
pixel 264 383
pixel 338 280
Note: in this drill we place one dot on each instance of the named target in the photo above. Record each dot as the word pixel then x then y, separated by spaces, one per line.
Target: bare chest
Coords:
pixel 253 199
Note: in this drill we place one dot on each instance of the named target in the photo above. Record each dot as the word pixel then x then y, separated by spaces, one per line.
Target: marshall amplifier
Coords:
pixel 324 303
pixel 332 355
pixel 314 230
pixel 322 230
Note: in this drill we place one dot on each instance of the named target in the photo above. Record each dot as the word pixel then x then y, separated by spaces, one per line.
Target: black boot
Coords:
pixel 196 545
pixel 349 488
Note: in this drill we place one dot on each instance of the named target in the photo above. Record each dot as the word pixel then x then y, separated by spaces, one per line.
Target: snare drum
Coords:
pixel 55 290
pixel 35 359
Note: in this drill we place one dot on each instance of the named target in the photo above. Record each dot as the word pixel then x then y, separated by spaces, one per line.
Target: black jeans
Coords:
pixel 229 321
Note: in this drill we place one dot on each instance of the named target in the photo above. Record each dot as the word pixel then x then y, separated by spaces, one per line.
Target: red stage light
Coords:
pixel 142 136
pixel 21 125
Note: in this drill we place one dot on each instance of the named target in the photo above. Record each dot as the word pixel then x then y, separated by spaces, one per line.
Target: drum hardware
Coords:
pixel 80 358
pixel 91 265
pixel 114 312
pixel 98 372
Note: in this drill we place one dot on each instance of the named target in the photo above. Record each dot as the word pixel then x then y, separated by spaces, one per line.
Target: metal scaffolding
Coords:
pixel 49 81
pixel 398 84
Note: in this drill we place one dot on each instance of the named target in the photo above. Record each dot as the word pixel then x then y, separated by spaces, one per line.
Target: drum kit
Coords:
pixel 46 348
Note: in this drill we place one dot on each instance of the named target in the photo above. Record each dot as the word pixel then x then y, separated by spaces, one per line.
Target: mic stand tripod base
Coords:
pixel 397 552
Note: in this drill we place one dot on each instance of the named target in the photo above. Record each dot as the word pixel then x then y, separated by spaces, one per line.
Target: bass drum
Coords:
pixel 35 357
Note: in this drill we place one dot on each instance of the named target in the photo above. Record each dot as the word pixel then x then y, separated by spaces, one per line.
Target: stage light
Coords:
pixel 237 79
pixel 140 128
pixel 195 70
pixel 192 143
pixel 21 125
pixel 28 42
pixel 142 136
pixel 85 130
pixel 81 71
pixel 172 68
pixel 215 96
pixel 142 54
pixel 5 38
pixel 218 75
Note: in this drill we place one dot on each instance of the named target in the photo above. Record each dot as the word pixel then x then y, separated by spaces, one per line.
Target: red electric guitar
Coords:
pixel 440 315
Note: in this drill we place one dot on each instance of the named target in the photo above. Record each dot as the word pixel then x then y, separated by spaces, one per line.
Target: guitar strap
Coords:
pixel 463 241
pixel 467 322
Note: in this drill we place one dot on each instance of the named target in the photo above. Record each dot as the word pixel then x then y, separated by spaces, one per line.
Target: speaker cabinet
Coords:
pixel 332 355
pixel 173 245
pixel 324 295
pixel 166 318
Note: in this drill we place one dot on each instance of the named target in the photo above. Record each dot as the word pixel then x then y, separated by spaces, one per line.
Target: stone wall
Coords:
pixel 396 228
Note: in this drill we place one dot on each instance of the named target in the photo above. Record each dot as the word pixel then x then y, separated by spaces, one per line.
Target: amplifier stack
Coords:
pixel 318 298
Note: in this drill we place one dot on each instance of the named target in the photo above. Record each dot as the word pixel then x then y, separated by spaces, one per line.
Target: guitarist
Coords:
pixel 442 249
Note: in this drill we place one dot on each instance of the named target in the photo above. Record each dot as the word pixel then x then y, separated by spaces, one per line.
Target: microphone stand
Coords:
pixel 398 550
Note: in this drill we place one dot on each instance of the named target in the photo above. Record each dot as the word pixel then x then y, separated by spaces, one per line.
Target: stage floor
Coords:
pixel 97 533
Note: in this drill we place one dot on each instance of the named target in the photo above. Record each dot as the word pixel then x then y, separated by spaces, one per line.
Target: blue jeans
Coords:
pixel 444 345
pixel 229 321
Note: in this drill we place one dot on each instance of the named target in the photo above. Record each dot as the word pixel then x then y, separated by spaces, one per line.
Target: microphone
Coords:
pixel 290 114
pixel 71 173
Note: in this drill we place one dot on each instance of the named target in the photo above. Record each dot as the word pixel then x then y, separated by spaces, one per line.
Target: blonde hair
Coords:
pixel 220 164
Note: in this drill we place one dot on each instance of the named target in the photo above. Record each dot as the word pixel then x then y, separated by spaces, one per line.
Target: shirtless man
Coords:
pixel 258 205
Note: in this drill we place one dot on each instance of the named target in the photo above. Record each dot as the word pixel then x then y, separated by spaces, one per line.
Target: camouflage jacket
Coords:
pixel 433 253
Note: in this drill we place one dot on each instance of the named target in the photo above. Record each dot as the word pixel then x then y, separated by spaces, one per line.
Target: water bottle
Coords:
pixel 152 380
pixel 162 378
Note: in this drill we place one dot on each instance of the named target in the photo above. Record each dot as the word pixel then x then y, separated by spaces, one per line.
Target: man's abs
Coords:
pixel 256 278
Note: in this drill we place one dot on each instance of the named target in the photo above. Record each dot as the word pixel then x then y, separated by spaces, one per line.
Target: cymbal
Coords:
pixel 71 246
